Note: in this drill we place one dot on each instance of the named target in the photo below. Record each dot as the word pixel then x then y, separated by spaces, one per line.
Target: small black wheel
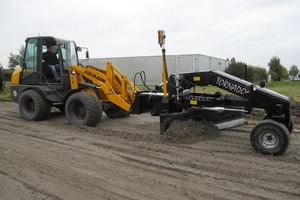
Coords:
pixel 33 106
pixel 270 137
pixel 290 126
pixel 83 108
pixel 116 112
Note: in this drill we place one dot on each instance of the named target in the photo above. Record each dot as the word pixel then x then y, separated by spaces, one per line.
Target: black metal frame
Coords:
pixel 247 96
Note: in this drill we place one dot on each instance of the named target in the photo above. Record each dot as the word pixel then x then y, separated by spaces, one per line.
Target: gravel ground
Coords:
pixel 128 159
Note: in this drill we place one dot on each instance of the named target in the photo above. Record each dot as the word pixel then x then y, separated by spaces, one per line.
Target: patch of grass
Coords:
pixel 5 95
pixel 288 88
pixel 284 84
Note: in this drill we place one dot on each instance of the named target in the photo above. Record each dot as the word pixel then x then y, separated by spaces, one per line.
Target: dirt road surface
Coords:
pixel 128 159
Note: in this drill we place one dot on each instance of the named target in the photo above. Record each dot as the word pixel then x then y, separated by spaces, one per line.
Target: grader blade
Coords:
pixel 227 119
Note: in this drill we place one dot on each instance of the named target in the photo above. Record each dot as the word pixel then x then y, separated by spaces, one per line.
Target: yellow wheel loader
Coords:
pixel 51 76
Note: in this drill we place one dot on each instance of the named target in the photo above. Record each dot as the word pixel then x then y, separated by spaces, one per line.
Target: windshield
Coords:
pixel 69 56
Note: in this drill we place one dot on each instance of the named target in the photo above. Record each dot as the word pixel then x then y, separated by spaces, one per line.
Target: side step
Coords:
pixel 223 120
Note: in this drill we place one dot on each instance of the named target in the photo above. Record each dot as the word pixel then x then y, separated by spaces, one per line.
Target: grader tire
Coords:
pixel 270 137
pixel 83 108
pixel 33 106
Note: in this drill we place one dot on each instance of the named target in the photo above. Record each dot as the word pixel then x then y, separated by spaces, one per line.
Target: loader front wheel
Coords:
pixel 83 108
pixel 33 106
pixel 270 138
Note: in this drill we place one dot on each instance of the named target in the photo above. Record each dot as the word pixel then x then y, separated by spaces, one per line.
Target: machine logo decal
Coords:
pixel 95 76
pixel 231 86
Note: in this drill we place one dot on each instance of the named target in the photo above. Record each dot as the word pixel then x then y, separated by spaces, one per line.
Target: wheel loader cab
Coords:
pixel 50 79
pixel 37 69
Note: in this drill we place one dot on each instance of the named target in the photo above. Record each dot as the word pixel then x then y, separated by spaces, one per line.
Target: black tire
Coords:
pixel 291 125
pixel 270 137
pixel 33 106
pixel 116 112
pixel 83 108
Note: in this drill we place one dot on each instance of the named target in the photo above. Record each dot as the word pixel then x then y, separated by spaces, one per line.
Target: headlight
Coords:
pixel 73 71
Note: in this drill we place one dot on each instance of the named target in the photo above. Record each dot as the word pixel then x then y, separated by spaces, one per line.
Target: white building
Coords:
pixel 152 65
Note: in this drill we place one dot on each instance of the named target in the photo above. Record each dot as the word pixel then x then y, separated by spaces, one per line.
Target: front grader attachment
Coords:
pixel 176 99
pixel 269 137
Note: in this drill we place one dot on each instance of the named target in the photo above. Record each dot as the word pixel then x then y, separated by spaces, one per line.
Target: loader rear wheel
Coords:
pixel 83 108
pixel 33 106
pixel 270 137
pixel 116 112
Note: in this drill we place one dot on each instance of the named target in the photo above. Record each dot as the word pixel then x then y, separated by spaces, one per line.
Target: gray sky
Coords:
pixel 252 31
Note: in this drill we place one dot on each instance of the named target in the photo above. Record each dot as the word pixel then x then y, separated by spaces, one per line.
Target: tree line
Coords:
pixel 239 69
pixel 256 74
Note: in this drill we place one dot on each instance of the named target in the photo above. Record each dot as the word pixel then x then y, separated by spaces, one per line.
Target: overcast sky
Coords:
pixel 252 31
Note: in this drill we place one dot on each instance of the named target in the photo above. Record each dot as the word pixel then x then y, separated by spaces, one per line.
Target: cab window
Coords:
pixel 30 58
pixel 69 56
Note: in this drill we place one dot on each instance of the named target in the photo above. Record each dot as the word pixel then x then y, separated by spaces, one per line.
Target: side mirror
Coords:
pixel 86 53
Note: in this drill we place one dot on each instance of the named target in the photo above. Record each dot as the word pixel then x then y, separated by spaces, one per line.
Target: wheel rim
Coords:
pixel 29 106
pixel 79 111
pixel 269 140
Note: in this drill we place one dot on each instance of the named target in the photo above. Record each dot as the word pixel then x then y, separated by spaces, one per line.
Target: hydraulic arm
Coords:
pixel 109 85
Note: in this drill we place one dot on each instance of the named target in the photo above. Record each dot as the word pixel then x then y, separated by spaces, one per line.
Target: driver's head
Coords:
pixel 51 48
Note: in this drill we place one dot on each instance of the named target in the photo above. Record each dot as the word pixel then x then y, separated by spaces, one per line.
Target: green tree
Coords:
pixel 274 76
pixel 16 59
pixel 276 69
pixel 259 74
pixel 293 71
pixel 285 73
pixel 236 68
pixel 254 74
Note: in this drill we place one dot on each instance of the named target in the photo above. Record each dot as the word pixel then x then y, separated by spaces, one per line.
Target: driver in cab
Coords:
pixel 51 60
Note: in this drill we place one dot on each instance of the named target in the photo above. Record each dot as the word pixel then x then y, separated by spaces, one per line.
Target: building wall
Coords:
pixel 152 65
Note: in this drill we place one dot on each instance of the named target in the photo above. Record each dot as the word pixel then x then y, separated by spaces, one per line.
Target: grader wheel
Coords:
pixel 270 137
